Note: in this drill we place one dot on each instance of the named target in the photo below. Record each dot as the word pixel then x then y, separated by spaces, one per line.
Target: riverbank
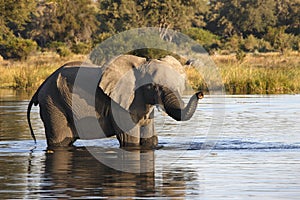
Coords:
pixel 270 73
pixel 29 74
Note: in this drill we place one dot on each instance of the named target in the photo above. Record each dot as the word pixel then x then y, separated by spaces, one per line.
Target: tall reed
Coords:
pixel 258 74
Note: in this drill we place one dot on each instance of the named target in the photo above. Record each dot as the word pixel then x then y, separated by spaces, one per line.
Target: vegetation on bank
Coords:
pixel 270 73
pixel 76 26
pixel 239 34
pixel 30 73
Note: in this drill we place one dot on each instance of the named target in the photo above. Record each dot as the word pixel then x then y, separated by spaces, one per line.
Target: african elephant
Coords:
pixel 122 101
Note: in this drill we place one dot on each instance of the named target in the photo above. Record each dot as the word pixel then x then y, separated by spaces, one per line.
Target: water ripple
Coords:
pixel 248 145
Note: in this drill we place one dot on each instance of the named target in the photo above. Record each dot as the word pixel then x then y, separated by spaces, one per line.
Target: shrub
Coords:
pixel 240 55
pixel 81 48
pixel 280 40
pixel 101 37
pixel 17 48
pixel 53 46
pixel 233 44
pixel 60 48
pixel 207 39
pixel 251 43
pixel 264 46
pixel 63 51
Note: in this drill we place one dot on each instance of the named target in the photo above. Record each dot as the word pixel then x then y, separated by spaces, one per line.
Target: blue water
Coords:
pixel 253 154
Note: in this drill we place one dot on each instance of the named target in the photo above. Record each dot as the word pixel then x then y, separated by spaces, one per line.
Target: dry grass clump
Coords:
pixel 31 73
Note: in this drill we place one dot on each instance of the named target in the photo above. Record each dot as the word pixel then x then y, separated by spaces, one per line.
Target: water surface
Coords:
pixel 257 156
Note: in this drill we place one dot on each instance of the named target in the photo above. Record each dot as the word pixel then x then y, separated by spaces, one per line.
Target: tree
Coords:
pixel 229 17
pixel 288 14
pixel 68 21
pixel 13 17
pixel 15 14
pixel 119 15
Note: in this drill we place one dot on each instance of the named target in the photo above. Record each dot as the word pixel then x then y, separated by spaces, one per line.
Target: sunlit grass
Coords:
pixel 31 73
pixel 257 74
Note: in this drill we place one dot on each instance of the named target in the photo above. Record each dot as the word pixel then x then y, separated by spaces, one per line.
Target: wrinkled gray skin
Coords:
pixel 124 106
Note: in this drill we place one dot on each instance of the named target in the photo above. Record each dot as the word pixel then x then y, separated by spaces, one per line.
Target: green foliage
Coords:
pixel 233 44
pixel 63 51
pixel 240 55
pixel 16 48
pixel 244 16
pixel 63 21
pixel 125 43
pixel 251 43
pixel 249 25
pixel 280 40
pixel 207 39
pixel 101 37
pixel 81 48
pixel 15 14
pixel 152 53
pixel 116 16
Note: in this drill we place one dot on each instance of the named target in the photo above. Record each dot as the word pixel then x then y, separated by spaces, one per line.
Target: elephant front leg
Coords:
pixel 148 135
pixel 130 138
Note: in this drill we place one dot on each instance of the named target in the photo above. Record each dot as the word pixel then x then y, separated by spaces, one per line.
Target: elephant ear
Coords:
pixel 119 78
pixel 167 72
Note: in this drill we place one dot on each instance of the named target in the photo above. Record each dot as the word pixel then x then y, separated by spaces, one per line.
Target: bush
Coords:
pixel 251 43
pixel 101 37
pixel 63 51
pixel 60 48
pixel 53 46
pixel 233 44
pixel 280 40
pixel 264 46
pixel 207 39
pixel 240 55
pixel 81 48
pixel 17 48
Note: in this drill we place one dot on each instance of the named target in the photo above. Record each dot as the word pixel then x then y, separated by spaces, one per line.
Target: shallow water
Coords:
pixel 256 155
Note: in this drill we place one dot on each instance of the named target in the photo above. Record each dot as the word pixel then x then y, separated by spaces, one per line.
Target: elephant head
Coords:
pixel 133 82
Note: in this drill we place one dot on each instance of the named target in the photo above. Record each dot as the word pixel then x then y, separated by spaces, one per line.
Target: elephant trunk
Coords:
pixel 174 105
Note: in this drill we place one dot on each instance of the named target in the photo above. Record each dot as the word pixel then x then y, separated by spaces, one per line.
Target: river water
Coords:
pixel 253 154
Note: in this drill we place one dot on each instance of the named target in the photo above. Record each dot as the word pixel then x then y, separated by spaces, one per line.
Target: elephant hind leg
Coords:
pixel 57 128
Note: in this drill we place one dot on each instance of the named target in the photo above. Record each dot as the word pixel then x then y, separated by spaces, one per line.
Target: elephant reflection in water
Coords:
pixel 76 173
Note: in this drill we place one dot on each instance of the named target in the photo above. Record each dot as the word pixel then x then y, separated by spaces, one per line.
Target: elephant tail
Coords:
pixel 34 100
